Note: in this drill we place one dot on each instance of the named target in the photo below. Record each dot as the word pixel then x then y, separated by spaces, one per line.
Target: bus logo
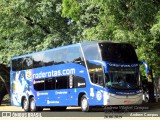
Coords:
pixel 99 95
pixel 29 74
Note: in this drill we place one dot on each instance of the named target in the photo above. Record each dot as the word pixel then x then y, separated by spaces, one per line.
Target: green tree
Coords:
pixel 125 21
pixel 27 26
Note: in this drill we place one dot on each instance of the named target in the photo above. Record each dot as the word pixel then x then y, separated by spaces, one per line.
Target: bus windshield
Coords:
pixel 118 53
pixel 122 79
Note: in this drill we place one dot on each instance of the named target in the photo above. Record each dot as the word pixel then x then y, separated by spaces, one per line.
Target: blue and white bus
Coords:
pixel 85 74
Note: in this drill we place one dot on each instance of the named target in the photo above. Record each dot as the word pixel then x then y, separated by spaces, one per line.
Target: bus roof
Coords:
pixel 56 48
pixel 61 47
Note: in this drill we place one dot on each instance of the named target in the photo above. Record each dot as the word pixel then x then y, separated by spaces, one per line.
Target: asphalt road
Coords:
pixel 145 111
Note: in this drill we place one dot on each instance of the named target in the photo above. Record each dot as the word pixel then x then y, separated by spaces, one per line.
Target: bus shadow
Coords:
pixel 70 109
pixel 108 109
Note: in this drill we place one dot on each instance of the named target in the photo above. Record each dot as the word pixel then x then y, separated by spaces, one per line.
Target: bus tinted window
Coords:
pixel 14 65
pixel 74 55
pixel 39 85
pixel 62 82
pixel 27 63
pixel 97 78
pixel 17 64
pixel 116 52
pixel 49 58
pixel 38 60
pixel 60 56
pixel 91 52
pixel 50 84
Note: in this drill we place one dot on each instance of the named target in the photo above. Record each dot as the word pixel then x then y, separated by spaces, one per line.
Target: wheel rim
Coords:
pixel 25 104
pixel 84 104
pixel 146 100
pixel 32 105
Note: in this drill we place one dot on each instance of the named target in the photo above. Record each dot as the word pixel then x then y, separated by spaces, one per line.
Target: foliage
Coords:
pixel 132 21
pixel 28 25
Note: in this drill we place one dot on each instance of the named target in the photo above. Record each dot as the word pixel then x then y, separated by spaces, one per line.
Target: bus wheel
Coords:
pixel 84 104
pixel 26 105
pixel 33 107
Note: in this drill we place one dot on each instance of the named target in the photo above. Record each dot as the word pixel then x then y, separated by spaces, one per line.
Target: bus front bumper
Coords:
pixel 113 99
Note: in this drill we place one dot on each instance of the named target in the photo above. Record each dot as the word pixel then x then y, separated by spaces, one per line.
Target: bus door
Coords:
pixel 98 79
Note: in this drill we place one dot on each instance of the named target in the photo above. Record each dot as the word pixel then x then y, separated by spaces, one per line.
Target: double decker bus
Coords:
pixel 85 74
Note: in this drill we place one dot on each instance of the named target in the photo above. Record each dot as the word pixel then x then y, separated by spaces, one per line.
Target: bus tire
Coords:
pixel 84 104
pixel 33 107
pixel 26 105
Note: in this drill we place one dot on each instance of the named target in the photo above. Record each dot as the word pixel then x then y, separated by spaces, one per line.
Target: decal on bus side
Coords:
pixel 53 73
pixel 99 95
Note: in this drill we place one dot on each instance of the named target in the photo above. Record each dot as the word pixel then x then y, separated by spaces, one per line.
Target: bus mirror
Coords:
pixel 145 65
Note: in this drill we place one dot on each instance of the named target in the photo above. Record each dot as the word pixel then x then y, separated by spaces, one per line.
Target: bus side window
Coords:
pixel 49 58
pixel 38 60
pixel 74 55
pixel 94 78
pixel 27 63
pixel 50 84
pixel 60 56
pixel 91 52
pixel 100 80
pixel 17 64
pixel 39 85
pixel 62 82
pixel 97 79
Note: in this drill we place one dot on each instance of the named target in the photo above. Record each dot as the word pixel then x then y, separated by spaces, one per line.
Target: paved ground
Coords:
pixel 74 113
pixel 152 106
